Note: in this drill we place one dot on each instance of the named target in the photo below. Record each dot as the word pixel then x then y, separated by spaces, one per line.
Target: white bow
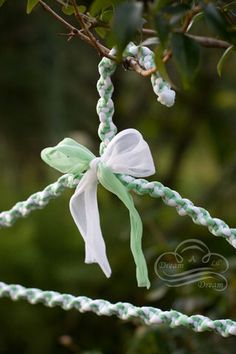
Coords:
pixel 127 153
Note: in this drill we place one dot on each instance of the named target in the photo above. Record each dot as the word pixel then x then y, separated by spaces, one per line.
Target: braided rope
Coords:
pixel 146 58
pixel 170 197
pixel 123 310
pixel 183 206
pixel 37 200
pixel 107 130
pixel 105 106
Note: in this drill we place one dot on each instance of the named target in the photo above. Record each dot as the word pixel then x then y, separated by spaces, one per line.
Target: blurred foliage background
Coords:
pixel 47 92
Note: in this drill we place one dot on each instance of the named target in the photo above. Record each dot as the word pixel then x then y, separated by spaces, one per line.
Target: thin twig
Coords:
pixel 59 18
pixel 131 63
pixel 149 31
pixel 74 31
pixel 84 26
pixel 87 22
pixel 190 16
pixel 167 56
pixel 208 42
pixel 91 22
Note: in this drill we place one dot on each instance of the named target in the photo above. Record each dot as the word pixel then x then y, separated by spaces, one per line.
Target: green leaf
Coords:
pixel 160 4
pixel 70 10
pixel 229 7
pixel 2 2
pixel 177 9
pixel 162 27
pixel 159 63
pixel 31 5
pixel 106 15
pixel 229 11
pixel 216 20
pixel 223 58
pixel 101 31
pixel 195 19
pixel 127 20
pixel 187 56
pixel 219 23
pixel 101 5
pixel 82 9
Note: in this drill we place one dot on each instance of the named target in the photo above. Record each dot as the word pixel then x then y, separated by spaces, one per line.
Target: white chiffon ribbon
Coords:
pixel 127 153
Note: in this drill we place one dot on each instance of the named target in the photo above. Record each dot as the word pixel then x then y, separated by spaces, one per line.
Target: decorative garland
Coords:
pixel 123 310
pixel 107 130
pixel 170 197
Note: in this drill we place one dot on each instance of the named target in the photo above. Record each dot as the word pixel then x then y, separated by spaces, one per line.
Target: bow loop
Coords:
pixel 68 157
pixel 129 153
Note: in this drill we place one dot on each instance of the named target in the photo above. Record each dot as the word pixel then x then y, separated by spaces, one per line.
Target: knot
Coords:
pixel 94 163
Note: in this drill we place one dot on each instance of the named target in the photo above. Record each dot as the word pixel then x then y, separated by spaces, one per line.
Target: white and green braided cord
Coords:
pixel 123 310
pixel 105 107
pixel 106 131
pixel 170 197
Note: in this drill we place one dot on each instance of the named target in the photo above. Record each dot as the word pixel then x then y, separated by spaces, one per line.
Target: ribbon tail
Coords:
pixel 84 210
pixel 111 183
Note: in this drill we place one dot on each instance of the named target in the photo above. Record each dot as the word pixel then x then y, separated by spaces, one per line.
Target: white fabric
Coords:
pixel 127 153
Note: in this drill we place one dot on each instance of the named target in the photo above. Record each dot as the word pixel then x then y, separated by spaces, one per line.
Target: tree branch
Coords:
pixel 90 21
pixel 130 63
pixel 73 30
pixel 84 26
pixel 189 17
pixel 88 37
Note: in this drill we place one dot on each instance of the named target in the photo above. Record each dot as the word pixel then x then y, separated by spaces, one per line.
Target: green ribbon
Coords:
pixel 112 184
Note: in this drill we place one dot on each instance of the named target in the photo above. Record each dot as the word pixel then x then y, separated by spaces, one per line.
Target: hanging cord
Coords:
pixel 123 310
pixel 170 197
pixel 105 106
pixel 37 200
pixel 107 131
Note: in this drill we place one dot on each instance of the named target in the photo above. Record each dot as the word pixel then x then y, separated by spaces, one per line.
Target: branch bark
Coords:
pixel 84 26
pixel 85 34
pixel 88 37
pixel 75 31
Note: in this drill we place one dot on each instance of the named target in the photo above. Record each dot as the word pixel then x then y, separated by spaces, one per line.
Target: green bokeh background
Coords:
pixel 47 92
